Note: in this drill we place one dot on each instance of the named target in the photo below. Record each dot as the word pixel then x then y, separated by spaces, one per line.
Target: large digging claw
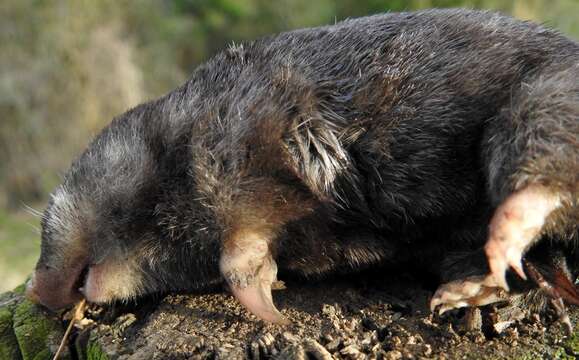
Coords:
pixel 250 271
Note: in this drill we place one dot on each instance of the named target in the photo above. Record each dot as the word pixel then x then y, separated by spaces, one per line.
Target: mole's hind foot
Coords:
pixel 559 289
pixel 552 282
pixel 517 222
pixel 471 291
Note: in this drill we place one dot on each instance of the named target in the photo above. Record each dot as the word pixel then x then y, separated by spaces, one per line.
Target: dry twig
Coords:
pixel 78 314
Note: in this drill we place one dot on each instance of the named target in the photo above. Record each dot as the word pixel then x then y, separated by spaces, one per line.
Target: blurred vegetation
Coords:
pixel 19 247
pixel 69 66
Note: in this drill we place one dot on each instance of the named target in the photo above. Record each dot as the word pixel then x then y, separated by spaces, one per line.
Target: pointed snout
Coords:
pixel 55 289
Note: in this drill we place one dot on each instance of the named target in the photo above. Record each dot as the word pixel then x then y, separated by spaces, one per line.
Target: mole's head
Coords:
pixel 122 224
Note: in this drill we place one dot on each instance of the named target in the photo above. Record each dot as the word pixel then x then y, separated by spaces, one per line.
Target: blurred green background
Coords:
pixel 67 67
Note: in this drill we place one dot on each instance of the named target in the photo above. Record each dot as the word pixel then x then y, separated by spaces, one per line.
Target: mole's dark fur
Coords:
pixel 388 139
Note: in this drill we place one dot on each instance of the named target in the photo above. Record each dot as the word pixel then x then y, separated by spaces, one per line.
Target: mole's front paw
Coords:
pixel 250 271
pixel 471 291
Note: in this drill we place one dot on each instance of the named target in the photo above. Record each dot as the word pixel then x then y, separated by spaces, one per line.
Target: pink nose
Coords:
pixel 55 289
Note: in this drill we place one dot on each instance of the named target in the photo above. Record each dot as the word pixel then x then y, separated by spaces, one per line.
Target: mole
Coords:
pixel 441 140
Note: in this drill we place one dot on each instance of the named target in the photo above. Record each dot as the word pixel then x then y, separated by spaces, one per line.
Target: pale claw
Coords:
pixel 258 300
pixel 250 271
pixel 517 265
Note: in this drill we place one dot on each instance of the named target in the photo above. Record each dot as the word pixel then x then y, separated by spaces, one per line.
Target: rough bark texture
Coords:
pixel 359 317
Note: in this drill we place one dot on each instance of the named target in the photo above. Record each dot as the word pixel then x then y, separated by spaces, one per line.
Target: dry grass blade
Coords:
pixel 77 315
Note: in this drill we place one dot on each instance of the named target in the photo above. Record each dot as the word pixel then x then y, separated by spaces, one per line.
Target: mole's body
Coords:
pixel 393 139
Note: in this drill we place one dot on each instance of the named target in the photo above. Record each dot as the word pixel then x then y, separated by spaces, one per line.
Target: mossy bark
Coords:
pixel 8 343
pixel 27 332
pixel 571 345
pixel 87 347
